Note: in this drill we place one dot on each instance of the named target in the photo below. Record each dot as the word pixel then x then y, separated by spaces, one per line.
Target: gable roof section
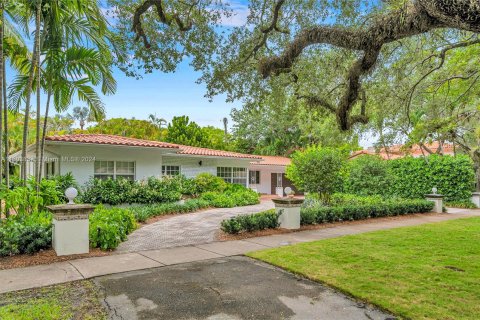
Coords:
pixel 107 139
pixel 273 161
pixel 110 140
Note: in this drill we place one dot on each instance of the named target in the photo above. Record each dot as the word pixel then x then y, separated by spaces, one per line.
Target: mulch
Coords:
pixel 45 257
pixel 222 236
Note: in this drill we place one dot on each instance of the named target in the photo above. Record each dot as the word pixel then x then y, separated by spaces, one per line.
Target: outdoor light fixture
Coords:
pixel 200 163
pixel 71 193
pixel 434 190
pixel 289 192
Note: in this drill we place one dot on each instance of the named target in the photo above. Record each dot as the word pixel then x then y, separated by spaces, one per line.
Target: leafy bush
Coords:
pixel 340 199
pixel 317 170
pixel 28 234
pixel 251 222
pixel 464 204
pixel 109 227
pixel 233 196
pixel 206 182
pixel 152 190
pixel 144 212
pixel 368 175
pixel 414 177
pixel 322 214
pixel 26 199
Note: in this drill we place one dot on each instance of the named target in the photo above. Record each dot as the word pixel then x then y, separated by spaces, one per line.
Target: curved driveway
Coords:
pixel 185 229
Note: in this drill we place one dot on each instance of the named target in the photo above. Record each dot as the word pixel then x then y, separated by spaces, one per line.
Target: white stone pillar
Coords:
pixel 289 210
pixel 476 199
pixel 438 200
pixel 70 228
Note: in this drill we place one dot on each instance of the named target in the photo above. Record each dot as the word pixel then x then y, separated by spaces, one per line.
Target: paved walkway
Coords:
pixel 185 229
pixel 38 276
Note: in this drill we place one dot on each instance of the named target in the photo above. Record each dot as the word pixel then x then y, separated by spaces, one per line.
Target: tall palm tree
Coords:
pixel 159 122
pixel 31 75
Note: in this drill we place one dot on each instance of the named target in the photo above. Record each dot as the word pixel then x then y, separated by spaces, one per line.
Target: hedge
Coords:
pixel 453 176
pixel 320 214
pixel 251 222
pixel 316 214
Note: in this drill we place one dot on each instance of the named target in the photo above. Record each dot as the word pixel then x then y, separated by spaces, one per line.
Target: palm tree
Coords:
pixel 159 122
pixel 31 75
pixel 81 114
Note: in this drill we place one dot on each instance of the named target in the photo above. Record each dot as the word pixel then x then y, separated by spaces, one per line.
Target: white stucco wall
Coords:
pixel 79 159
pixel 190 166
pixel 265 185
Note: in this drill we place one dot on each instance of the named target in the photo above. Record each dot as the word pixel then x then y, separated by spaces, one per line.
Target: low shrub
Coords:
pixel 251 222
pixel 109 227
pixel 144 212
pixel 207 182
pixel 464 204
pixel 28 234
pixel 394 207
pixel 234 196
pixel 151 190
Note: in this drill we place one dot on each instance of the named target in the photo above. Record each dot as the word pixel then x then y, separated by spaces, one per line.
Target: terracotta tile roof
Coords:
pixel 132 142
pixel 197 151
pixel 273 161
pixel 110 139
pixel 400 151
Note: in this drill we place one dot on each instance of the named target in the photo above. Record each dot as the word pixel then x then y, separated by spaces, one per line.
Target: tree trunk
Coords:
pixel 38 160
pixel 5 139
pixel 36 47
pixel 44 131
pixel 1 92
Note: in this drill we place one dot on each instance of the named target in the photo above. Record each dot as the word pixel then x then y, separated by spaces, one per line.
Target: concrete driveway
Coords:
pixel 185 229
pixel 231 288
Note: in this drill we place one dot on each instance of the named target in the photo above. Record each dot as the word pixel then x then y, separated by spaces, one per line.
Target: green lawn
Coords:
pixel 74 300
pixel 424 272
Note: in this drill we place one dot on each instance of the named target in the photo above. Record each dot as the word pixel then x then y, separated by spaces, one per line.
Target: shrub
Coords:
pixel 464 204
pixel 109 227
pixel 152 190
pixel 367 175
pixel 322 214
pixel 251 222
pixel 233 196
pixel 317 170
pixel 414 177
pixel 144 212
pixel 206 182
pixel 28 234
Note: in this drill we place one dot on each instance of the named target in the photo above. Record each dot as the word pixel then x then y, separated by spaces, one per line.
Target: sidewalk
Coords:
pixel 44 275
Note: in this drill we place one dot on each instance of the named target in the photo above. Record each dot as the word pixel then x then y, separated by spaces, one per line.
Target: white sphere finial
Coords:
pixel 71 193
pixel 434 190
pixel 288 191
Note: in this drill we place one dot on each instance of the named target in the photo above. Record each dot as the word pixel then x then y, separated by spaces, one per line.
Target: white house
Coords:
pixel 102 156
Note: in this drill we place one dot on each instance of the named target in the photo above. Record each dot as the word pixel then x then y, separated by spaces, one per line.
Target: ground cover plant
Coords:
pixel 73 300
pixel 109 227
pixel 423 272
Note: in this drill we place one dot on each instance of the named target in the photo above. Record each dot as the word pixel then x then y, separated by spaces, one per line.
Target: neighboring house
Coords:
pixel 109 156
pixel 400 151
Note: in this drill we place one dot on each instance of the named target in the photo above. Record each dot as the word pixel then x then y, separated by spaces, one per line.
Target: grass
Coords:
pixel 424 272
pixel 74 300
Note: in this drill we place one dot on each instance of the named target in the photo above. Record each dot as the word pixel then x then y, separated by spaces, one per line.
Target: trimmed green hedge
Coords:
pixel 414 177
pixel 314 213
pixel 251 222
pixel 320 214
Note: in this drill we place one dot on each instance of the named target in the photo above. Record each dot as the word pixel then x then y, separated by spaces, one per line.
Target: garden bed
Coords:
pixel 223 236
